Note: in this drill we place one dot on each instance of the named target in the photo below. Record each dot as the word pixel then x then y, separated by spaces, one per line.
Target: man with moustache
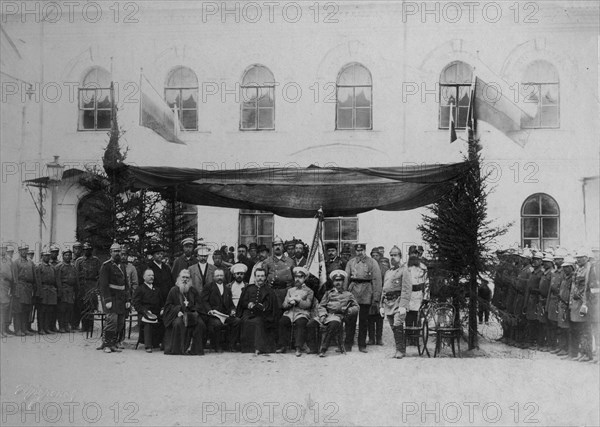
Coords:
pixel 263 254
pixel 54 251
pixel 542 305
pixel 415 278
pixel 46 295
pixel 525 270
pixel 218 303
pixel 237 285
pixel 202 273
pixel 557 275
pixel 26 286
pixel 67 284
pixel 148 303
pixel 278 268
pixel 186 260
pixel 219 263
pixel 531 299
pixel 364 281
pixel 77 251
pixel 243 258
pixel 88 270
pixel 163 280
pixel 299 258
pixel 7 287
pixel 375 329
pixel 114 290
pixel 253 252
pixel 579 313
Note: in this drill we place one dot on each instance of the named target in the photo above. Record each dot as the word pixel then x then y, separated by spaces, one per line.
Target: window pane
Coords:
pixel 248 119
pixel 550 228
pixel 549 207
pixel 331 230
pixel 265 97
pixel 189 119
pixel 347 77
pixel 550 243
pixel 349 229
pixel 103 98
pixel 447 95
pixel 444 116
pixel 172 97
pixel 265 225
pixel 190 98
pixel 87 119
pixel 265 240
pixel 541 71
pixel 344 118
pixel 531 93
pixel 249 97
pixel 363 96
pixel 247 225
pixel 549 94
pixel 246 240
pixel 182 77
pixel 532 243
pixel 461 117
pixel 87 98
pixel 345 97
pixel 265 118
pixel 457 73
pixel 532 206
pixel 363 118
pixel 361 76
pixel 103 119
pixel 549 117
pixel 531 227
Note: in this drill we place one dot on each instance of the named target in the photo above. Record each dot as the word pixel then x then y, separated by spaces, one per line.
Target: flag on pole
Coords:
pixel 452 126
pixel 316 257
pixel 492 105
pixel 156 114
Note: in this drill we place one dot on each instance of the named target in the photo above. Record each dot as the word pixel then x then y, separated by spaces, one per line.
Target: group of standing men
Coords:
pixel 549 301
pixel 61 292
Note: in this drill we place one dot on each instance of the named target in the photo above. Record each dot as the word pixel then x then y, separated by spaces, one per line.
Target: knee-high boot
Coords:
pixel 400 345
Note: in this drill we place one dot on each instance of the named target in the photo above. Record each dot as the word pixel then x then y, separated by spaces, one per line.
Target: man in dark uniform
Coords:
pixel 88 269
pixel 364 281
pixel 218 262
pixel 26 286
pixel 77 251
pixel 278 268
pixel 375 329
pixel 47 295
pixel 531 298
pixel 542 305
pixel 67 283
pixel 252 252
pixel 332 263
pixel 519 306
pixel 186 260
pixel 54 251
pixel 7 288
pixel 299 257
pixel 114 290
pixel 243 258
pixel 345 255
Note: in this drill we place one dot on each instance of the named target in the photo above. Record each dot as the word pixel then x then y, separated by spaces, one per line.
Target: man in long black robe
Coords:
pixel 258 309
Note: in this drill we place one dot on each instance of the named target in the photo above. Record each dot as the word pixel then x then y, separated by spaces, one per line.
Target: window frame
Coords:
pixel 540 239
pixel 96 89
pixel 256 215
pixel 539 108
pixel 455 107
pixel 354 108
pixel 257 108
pixel 180 90
pixel 340 242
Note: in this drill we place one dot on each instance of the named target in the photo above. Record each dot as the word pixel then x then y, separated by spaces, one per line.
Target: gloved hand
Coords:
pixel 109 305
pixel 127 305
pixel 382 312
pixel 402 311
pixel 583 310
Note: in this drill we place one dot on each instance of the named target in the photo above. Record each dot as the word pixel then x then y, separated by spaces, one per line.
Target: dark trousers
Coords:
pixel 285 327
pixel 312 335
pixel 542 332
pixel 65 312
pixel 44 318
pixel 551 334
pixel 21 314
pixel 216 329
pixel 363 325
pixel 4 316
pixel 83 310
pixel 375 329
pixel 484 311
pixel 579 339
pixel 332 330
pixel 532 331
pixel 152 333
pixel 178 338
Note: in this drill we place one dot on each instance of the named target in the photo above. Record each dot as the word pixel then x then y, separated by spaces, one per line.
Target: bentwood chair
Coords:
pixel 446 327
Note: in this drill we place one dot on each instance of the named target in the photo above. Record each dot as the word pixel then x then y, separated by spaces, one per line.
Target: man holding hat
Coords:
pixel 395 297
pixel 7 287
pixel 26 286
pixel 202 273
pixel 67 283
pixel 186 260
pixel 148 303
pixel 297 304
pixel 88 270
pixel 364 281
pixel 531 299
pixel 278 268
pixel 47 295
pixel 114 290
pixel 336 307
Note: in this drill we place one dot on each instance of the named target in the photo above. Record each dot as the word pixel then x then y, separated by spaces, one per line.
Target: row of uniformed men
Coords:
pixel 549 301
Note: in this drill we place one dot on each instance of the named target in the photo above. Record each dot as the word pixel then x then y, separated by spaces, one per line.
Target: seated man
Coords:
pixel 182 319
pixel 297 304
pixel 148 302
pixel 258 310
pixel 217 302
pixel 335 306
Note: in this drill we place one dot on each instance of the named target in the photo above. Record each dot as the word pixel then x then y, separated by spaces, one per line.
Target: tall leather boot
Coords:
pixel 399 339
pixel 325 341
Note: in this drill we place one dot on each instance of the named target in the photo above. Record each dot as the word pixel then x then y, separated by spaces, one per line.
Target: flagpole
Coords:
pixel 471 119
pixel 141 96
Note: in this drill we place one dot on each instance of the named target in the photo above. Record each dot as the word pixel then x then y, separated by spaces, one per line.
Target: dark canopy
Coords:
pixel 299 192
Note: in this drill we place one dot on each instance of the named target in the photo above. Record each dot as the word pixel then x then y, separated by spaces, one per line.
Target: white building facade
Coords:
pixel 290 84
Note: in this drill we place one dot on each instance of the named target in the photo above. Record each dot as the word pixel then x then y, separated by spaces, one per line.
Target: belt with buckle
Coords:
pixel 117 287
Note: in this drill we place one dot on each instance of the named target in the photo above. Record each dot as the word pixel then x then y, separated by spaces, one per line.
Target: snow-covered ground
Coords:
pixel 63 380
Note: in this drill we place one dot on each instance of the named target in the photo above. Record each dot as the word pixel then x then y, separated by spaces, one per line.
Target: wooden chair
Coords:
pixel 444 316
pixel 418 333
pixel 96 315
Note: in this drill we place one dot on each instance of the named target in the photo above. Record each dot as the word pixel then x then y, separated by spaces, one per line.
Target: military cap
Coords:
pixel 569 261
pixel 45 251
pixel 262 248
pixel 187 241
pixel 23 246
pixel 115 247
pixel 54 248
pixel 331 245
pixel 302 270
pixel 218 252
pixel 547 257
pixel 239 268
pixel 77 245
pixel 203 250
pixel 560 253
pixel 375 250
pixel 526 253
pixel 358 246
pixel 581 252
pixel 253 245
pixel 10 248
pixel 338 274
pixel 381 249
pixel 395 249
pixel 67 250
pixel 87 245
pixel 537 254
pixel 30 251
pixel 277 241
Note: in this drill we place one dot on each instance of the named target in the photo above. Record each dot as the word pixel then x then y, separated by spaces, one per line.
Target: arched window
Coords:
pixel 95 106
pixel 354 98
pixel 540 222
pixel 181 93
pixel 541 87
pixel 258 99
pixel 455 93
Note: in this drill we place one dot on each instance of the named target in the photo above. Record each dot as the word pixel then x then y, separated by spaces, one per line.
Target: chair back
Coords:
pixel 444 315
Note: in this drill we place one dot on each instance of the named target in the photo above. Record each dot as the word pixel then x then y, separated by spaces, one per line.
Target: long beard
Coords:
pixel 413 261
